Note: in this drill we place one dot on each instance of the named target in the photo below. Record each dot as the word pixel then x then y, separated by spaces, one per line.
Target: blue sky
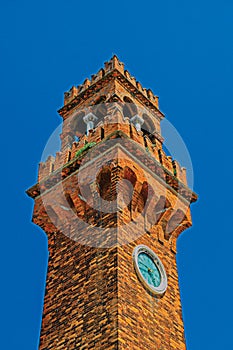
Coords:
pixel 183 51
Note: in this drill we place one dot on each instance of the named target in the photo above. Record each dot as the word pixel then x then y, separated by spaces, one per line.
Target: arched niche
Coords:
pixel 178 221
pixel 142 198
pixel 104 184
pixel 130 181
pixel 162 207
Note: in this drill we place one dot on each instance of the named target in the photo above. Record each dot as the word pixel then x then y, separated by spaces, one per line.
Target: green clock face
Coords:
pixel 149 270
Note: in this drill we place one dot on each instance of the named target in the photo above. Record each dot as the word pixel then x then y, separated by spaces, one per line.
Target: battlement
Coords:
pixel 111 104
pixel 104 131
pixel 112 65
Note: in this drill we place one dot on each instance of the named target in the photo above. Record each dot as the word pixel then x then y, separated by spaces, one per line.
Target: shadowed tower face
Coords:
pixel 112 204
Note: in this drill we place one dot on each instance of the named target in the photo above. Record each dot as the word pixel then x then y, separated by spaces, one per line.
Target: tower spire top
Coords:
pixel 113 72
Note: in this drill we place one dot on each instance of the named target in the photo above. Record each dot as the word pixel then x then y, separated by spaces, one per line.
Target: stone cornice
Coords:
pixel 155 168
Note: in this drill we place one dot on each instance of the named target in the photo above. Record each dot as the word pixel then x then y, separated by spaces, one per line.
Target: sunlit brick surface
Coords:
pixel 93 298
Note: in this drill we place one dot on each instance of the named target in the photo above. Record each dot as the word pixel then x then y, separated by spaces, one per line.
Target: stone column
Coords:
pixel 89 119
pixel 137 121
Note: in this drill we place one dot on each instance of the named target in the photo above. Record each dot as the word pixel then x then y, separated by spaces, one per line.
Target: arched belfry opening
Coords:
pixel 77 125
pixel 148 126
pixel 99 108
pixel 129 109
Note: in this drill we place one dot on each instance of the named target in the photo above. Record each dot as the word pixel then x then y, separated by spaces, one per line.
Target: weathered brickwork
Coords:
pixel 81 297
pixel 134 194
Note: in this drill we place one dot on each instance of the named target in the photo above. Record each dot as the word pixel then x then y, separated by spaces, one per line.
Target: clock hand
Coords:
pixel 148 268
pixel 145 270
pixel 152 277
pixel 155 279
pixel 143 264
pixel 151 270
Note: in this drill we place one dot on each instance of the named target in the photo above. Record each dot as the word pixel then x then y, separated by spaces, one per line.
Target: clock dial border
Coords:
pixel 161 289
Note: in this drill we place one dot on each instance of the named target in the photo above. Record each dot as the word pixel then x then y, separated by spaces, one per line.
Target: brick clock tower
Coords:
pixel 112 204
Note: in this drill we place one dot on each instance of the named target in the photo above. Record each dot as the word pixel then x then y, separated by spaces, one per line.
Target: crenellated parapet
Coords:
pixel 113 70
pixel 122 129
pixel 112 105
